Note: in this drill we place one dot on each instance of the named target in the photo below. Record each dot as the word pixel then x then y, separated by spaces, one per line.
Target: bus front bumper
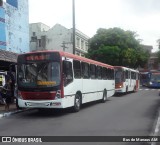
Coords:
pixel 40 103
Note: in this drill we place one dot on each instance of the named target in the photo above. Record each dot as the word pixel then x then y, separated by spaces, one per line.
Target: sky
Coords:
pixel 140 16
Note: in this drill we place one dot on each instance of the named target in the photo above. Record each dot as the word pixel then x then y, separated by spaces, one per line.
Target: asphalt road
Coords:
pixel 133 114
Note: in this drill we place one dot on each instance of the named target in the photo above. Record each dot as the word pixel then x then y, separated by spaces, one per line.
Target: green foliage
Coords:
pixel 117 47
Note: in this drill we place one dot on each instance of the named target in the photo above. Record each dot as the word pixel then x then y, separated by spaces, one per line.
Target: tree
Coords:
pixel 117 47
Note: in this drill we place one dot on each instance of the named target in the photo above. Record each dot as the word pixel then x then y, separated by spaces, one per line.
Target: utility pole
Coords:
pixel 64 46
pixel 73 8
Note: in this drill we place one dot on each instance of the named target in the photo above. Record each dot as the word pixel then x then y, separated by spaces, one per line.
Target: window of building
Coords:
pixel 78 42
pixel 14 3
pixel 34 39
pixel 86 46
pixel 78 53
pixel 34 33
pixel 39 43
pixel 82 44
pixel 1 3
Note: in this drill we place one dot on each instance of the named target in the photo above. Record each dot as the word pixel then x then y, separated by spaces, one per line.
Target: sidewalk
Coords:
pixel 12 108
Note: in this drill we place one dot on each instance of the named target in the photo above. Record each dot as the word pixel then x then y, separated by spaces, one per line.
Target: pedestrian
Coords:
pixel 7 94
pixel 12 77
pixel 1 97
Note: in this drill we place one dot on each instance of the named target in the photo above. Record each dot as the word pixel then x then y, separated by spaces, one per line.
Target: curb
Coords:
pixel 156 128
pixel 6 114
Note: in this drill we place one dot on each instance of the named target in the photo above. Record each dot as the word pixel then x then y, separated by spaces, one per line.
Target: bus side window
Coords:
pixel 92 71
pixel 99 72
pixel 77 68
pixel 85 70
pixel 109 74
pixel 104 73
pixel 67 72
pixel 112 74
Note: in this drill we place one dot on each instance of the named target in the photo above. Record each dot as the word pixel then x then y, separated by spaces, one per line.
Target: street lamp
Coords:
pixel 73 8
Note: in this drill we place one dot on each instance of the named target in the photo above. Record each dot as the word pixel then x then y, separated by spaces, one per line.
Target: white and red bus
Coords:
pixel 126 79
pixel 54 79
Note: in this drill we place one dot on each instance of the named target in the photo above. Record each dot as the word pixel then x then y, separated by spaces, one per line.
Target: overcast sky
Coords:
pixel 141 16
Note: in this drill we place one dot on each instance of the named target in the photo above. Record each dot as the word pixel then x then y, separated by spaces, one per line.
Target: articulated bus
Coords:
pixel 55 79
pixel 126 79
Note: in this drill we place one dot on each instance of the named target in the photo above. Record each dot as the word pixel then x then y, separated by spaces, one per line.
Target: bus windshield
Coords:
pixel 119 76
pixel 39 74
pixel 155 77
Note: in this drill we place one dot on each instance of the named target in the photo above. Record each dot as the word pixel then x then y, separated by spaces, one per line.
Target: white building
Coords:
pixel 42 37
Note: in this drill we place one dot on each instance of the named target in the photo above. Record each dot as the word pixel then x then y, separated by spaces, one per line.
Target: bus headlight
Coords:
pixel 150 83
pixel 58 95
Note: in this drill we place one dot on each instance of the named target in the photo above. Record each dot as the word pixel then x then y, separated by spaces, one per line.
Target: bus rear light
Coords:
pixel 120 85
pixel 58 95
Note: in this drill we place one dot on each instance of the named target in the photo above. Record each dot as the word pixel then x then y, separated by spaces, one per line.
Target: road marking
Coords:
pixel 148 89
pixel 157 128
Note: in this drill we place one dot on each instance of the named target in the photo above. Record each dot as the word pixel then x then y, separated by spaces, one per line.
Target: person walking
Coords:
pixel 7 93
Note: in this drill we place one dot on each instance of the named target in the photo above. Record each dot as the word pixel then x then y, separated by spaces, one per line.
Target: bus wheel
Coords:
pixel 126 90
pixel 77 103
pixel 134 90
pixel 104 99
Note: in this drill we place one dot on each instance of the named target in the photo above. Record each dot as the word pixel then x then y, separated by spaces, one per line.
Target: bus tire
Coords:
pixel 126 90
pixel 77 103
pixel 134 90
pixel 104 99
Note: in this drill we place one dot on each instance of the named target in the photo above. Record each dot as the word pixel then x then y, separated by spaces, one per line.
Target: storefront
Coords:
pixel 6 59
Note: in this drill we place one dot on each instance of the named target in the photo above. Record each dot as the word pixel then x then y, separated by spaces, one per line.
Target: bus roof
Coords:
pixel 126 68
pixel 75 57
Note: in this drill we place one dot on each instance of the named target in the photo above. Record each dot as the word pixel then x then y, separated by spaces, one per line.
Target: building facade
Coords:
pixel 14 28
pixel 42 37
pixel 153 63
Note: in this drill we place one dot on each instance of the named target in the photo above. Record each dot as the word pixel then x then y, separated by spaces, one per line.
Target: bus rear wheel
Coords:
pixel 77 103
pixel 104 99
pixel 134 90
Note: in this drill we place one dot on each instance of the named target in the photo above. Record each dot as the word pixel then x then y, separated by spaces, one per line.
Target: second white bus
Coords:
pixel 126 79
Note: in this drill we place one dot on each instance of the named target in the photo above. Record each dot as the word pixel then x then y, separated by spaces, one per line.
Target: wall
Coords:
pixel 14 26
pixel 2 29
pixel 17 26
pixel 56 38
